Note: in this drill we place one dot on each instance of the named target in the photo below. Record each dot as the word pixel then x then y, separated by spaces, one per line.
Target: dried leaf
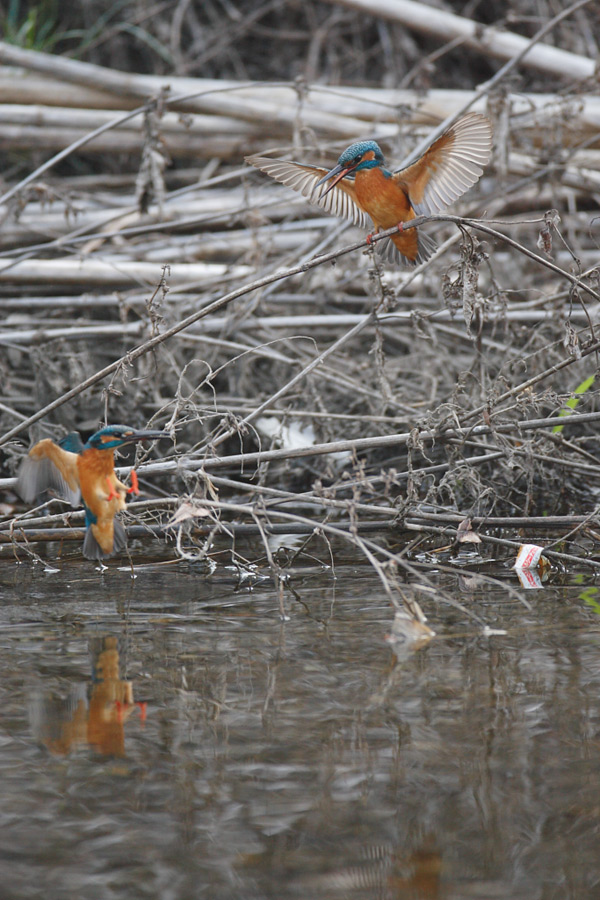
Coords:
pixel 188 511
pixel 551 221
pixel 465 534
pixel 408 634
pixel 544 241
pixel 571 341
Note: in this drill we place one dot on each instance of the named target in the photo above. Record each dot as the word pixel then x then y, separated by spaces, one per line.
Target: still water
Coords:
pixel 170 737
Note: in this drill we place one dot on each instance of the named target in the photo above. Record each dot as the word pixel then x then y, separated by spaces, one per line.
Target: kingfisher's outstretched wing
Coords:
pixel 49 468
pixel 72 442
pixel 449 167
pixel 339 201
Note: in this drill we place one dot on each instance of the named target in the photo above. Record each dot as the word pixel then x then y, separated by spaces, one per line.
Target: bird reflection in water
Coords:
pixel 93 715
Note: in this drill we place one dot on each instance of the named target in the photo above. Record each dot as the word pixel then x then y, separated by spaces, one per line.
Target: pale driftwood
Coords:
pixel 88 119
pixel 24 534
pixel 576 174
pixel 79 216
pixel 43 333
pixel 489 40
pixel 367 104
pixel 278 105
pixel 203 146
pixel 213 97
pixel 369 107
pixel 205 246
pixel 484 39
pixel 81 301
pixel 93 272
pixel 23 87
pixel 59 219
pixel 202 207
pixel 348 320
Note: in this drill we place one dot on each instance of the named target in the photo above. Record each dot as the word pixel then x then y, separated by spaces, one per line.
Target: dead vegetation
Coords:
pixel 148 276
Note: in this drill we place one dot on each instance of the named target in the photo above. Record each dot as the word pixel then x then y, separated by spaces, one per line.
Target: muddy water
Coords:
pixel 169 736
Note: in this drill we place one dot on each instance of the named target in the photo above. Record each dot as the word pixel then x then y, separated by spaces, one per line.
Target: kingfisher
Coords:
pixel 74 471
pixel 361 187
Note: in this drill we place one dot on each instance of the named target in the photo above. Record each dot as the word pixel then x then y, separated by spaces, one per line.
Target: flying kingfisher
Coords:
pixel 74 470
pixel 362 187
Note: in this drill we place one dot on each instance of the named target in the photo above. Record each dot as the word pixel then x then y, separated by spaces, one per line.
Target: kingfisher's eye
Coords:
pixel 356 160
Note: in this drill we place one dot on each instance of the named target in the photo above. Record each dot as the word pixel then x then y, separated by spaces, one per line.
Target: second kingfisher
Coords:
pixel 74 470
pixel 362 187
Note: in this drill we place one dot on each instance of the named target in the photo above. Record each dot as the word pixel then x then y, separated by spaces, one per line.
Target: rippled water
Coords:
pixel 170 737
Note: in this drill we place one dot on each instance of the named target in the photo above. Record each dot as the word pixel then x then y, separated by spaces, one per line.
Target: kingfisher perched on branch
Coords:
pixel 74 470
pixel 362 187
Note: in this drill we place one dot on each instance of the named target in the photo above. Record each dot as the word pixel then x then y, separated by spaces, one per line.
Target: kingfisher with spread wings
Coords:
pixel 361 187
pixel 76 471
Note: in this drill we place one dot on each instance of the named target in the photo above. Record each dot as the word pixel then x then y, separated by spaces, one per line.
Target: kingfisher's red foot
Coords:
pixel 111 490
pixel 400 226
pixel 135 487
pixel 370 238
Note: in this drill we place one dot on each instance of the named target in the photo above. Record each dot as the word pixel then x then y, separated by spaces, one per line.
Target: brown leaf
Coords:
pixel 188 511
pixel 465 534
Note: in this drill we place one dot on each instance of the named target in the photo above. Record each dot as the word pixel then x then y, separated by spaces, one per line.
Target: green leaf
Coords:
pixel 572 404
pixel 589 598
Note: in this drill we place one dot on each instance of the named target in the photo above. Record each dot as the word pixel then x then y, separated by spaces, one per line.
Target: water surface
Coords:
pixel 169 736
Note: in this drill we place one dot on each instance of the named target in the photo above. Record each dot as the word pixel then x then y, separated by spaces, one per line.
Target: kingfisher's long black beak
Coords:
pixel 337 173
pixel 136 436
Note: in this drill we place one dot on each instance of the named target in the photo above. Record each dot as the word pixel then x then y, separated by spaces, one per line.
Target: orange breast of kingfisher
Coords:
pixel 98 480
pixel 387 204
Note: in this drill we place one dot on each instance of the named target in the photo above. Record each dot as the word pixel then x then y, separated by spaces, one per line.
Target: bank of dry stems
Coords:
pixel 209 302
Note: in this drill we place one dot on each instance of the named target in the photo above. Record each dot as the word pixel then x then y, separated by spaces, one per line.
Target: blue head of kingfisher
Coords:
pixel 355 158
pixel 114 436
